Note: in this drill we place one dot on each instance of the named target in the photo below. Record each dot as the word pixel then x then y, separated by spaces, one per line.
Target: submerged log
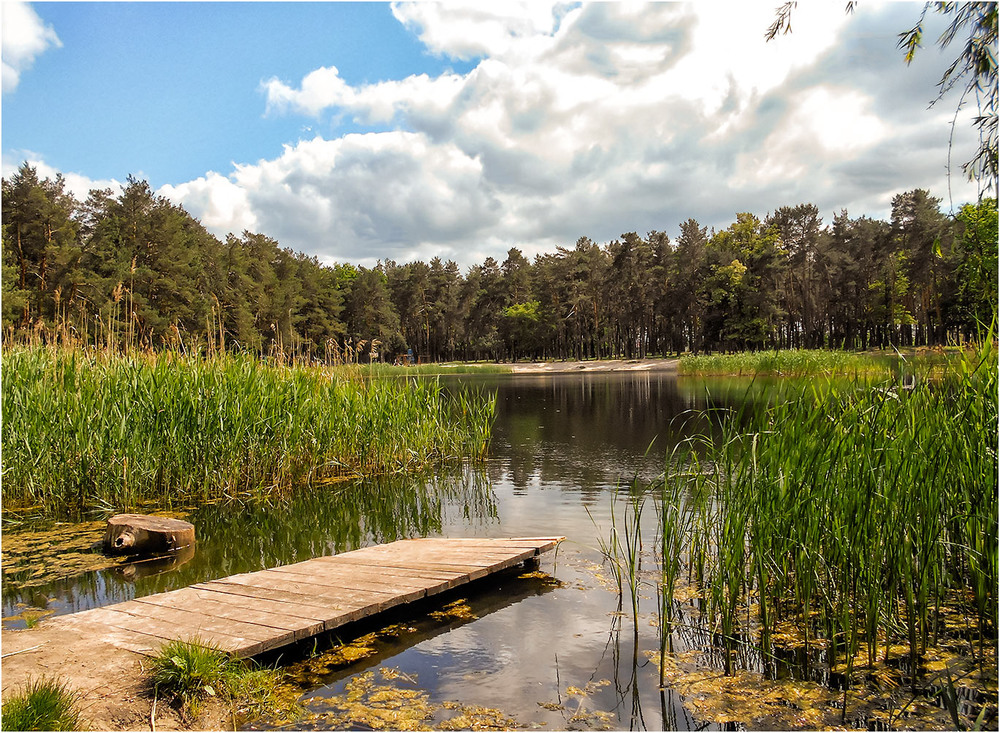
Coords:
pixel 140 534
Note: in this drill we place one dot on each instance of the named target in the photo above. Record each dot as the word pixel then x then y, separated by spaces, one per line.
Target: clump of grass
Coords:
pixel 43 704
pixel 787 363
pixel 190 671
pixel 84 430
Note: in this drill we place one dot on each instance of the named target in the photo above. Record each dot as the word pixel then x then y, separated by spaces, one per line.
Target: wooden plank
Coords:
pixel 305 604
pixel 468 572
pixel 450 577
pixel 357 578
pixel 249 613
pixel 195 623
pixel 384 570
pixel 458 556
pixel 163 632
pixel 202 603
pixel 343 608
pixel 343 585
pixel 280 608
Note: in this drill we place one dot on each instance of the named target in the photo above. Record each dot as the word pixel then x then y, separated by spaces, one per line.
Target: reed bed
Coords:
pixel 93 431
pixel 377 369
pixel 856 519
pixel 788 363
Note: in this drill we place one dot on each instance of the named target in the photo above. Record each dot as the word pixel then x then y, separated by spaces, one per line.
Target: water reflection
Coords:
pixel 586 432
pixel 562 445
pixel 237 538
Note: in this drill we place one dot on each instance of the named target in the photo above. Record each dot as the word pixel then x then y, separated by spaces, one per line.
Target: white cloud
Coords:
pixel 24 38
pixel 75 183
pixel 359 198
pixel 593 121
pixel 222 206
pixel 466 30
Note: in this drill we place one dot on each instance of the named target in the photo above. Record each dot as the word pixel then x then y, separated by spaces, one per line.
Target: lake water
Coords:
pixel 556 654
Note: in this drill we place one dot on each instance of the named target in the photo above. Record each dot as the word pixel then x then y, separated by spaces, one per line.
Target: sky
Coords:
pixel 358 132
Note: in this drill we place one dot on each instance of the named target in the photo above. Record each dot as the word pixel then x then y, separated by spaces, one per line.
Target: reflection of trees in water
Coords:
pixel 591 431
pixel 237 538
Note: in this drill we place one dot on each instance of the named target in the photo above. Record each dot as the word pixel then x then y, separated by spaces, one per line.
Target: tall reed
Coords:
pixel 788 363
pixel 82 430
pixel 854 511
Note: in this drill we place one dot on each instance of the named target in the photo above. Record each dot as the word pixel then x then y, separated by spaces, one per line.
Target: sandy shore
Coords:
pixel 607 365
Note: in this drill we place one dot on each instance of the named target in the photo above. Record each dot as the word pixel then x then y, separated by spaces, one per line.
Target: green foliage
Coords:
pixel 866 508
pixel 977 262
pixel 43 704
pixel 132 270
pixel 788 363
pixel 192 670
pixel 81 430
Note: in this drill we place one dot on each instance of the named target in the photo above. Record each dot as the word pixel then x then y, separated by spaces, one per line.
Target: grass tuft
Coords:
pixel 192 671
pixel 43 704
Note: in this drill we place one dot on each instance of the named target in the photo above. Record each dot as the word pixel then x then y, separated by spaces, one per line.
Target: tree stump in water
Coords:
pixel 139 534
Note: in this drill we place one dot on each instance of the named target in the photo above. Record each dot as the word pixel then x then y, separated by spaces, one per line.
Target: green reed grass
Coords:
pixel 41 704
pixel 391 370
pixel 855 510
pixel 788 363
pixel 94 431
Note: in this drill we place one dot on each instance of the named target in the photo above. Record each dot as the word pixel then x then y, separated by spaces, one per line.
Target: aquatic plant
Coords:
pixel 378 369
pixel 855 521
pixel 788 363
pixel 84 430
pixel 42 704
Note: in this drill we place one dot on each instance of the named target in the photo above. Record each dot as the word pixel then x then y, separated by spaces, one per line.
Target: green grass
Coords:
pixel 192 671
pixel 390 370
pixel 84 431
pixel 869 510
pixel 43 704
pixel 787 363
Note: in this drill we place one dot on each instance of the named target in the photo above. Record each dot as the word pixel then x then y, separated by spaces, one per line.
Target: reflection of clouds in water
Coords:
pixel 524 654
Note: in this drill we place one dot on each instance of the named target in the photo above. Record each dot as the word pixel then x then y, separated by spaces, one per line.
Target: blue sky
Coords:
pixel 170 90
pixel 363 131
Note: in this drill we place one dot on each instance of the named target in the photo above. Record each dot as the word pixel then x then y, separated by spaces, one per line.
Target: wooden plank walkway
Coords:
pixel 251 613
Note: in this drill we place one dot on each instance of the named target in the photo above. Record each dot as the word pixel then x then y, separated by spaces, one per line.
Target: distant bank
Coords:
pixel 604 365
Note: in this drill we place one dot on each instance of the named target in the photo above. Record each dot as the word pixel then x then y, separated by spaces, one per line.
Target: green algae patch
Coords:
pixel 750 699
pixel 35 558
pixel 459 610
pixel 388 699
pixel 544 578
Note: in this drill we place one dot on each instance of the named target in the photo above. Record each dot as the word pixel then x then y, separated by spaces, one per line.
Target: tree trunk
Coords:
pixel 139 534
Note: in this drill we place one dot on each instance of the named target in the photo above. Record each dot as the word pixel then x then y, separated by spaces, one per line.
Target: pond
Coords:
pixel 561 648
pixel 555 653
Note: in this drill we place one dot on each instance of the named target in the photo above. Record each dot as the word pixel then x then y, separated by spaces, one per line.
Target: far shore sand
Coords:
pixel 605 365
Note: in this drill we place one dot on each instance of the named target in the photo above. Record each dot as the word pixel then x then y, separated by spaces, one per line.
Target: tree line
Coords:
pixel 133 269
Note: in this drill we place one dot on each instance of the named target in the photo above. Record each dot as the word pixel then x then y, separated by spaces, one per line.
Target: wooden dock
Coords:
pixel 251 613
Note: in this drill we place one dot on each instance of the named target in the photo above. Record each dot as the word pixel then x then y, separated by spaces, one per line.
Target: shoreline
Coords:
pixel 603 365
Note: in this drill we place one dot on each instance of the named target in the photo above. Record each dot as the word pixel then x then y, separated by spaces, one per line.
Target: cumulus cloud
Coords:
pixel 592 120
pixel 76 184
pixel 25 37
pixel 358 198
